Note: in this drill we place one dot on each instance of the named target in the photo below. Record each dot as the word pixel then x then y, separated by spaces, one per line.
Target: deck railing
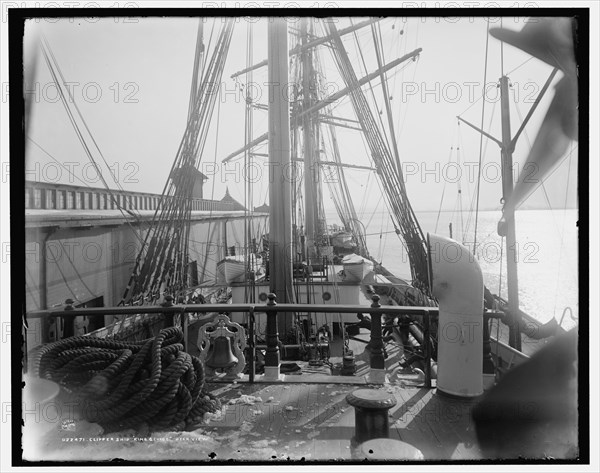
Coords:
pixel 50 196
pixel 271 309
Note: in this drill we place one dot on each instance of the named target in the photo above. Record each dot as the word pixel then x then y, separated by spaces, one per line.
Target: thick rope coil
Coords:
pixel 50 352
pixel 125 385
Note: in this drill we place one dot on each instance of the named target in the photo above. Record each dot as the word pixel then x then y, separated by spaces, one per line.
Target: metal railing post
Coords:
pixel 375 347
pixel 427 348
pixel 489 368
pixel 185 325
pixel 60 330
pixel 272 354
pixel 169 318
pixel 377 359
pixel 251 345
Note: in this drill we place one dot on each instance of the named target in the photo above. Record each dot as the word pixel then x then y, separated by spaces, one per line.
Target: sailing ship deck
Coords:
pixel 305 418
pixel 300 421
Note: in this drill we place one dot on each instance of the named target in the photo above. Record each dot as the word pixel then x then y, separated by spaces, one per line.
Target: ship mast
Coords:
pixel 280 193
pixel 506 226
pixel 309 161
pixel 310 45
pixel 323 103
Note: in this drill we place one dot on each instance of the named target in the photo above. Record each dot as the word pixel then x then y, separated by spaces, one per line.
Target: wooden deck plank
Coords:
pixel 299 420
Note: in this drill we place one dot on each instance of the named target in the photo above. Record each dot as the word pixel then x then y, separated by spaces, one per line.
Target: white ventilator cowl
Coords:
pixel 457 284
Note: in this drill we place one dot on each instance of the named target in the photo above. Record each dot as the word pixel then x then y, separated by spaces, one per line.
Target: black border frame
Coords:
pixel 16 22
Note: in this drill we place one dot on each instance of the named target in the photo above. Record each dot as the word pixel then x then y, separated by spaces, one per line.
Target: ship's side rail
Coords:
pixel 271 308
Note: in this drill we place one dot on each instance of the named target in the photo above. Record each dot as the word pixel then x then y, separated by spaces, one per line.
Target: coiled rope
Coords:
pixel 123 385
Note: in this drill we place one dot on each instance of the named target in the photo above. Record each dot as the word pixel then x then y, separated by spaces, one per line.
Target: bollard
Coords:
pixel 348 364
pixel 371 408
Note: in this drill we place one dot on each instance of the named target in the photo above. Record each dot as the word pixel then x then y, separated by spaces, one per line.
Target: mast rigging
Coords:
pixel 162 265
pixel 403 215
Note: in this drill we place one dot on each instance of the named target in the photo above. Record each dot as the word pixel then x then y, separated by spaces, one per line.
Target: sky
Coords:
pixel 131 80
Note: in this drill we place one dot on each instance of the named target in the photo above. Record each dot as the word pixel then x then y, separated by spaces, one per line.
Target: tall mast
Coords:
pixel 327 101
pixel 309 161
pixel 280 189
pixel 310 45
pixel 507 226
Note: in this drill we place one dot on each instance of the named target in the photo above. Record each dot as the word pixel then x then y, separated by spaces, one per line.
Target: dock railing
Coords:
pixel 58 196
pixel 271 308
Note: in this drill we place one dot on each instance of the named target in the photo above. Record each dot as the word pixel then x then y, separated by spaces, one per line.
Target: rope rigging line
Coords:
pixel 557 166
pixel 374 212
pixel 560 229
pixel 62 275
pixel 377 40
pixel 29 288
pixel 370 85
pixel 461 146
pixel 459 199
pixel 472 212
pixel 437 221
pixel 338 186
pixel 249 292
pixel 520 65
pixel 501 260
pixel 76 271
pixel 181 183
pixel 391 178
pixel 562 233
pixel 56 72
pixel 397 48
pixel 402 117
pixel 487 41
pixel 214 225
pixel 343 198
pixel 85 184
pixel 162 264
pixel 212 196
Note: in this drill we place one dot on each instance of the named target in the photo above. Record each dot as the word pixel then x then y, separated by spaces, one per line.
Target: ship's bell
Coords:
pixel 220 354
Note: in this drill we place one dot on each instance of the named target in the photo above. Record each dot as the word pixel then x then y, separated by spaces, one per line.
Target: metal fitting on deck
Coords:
pixel 371 408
